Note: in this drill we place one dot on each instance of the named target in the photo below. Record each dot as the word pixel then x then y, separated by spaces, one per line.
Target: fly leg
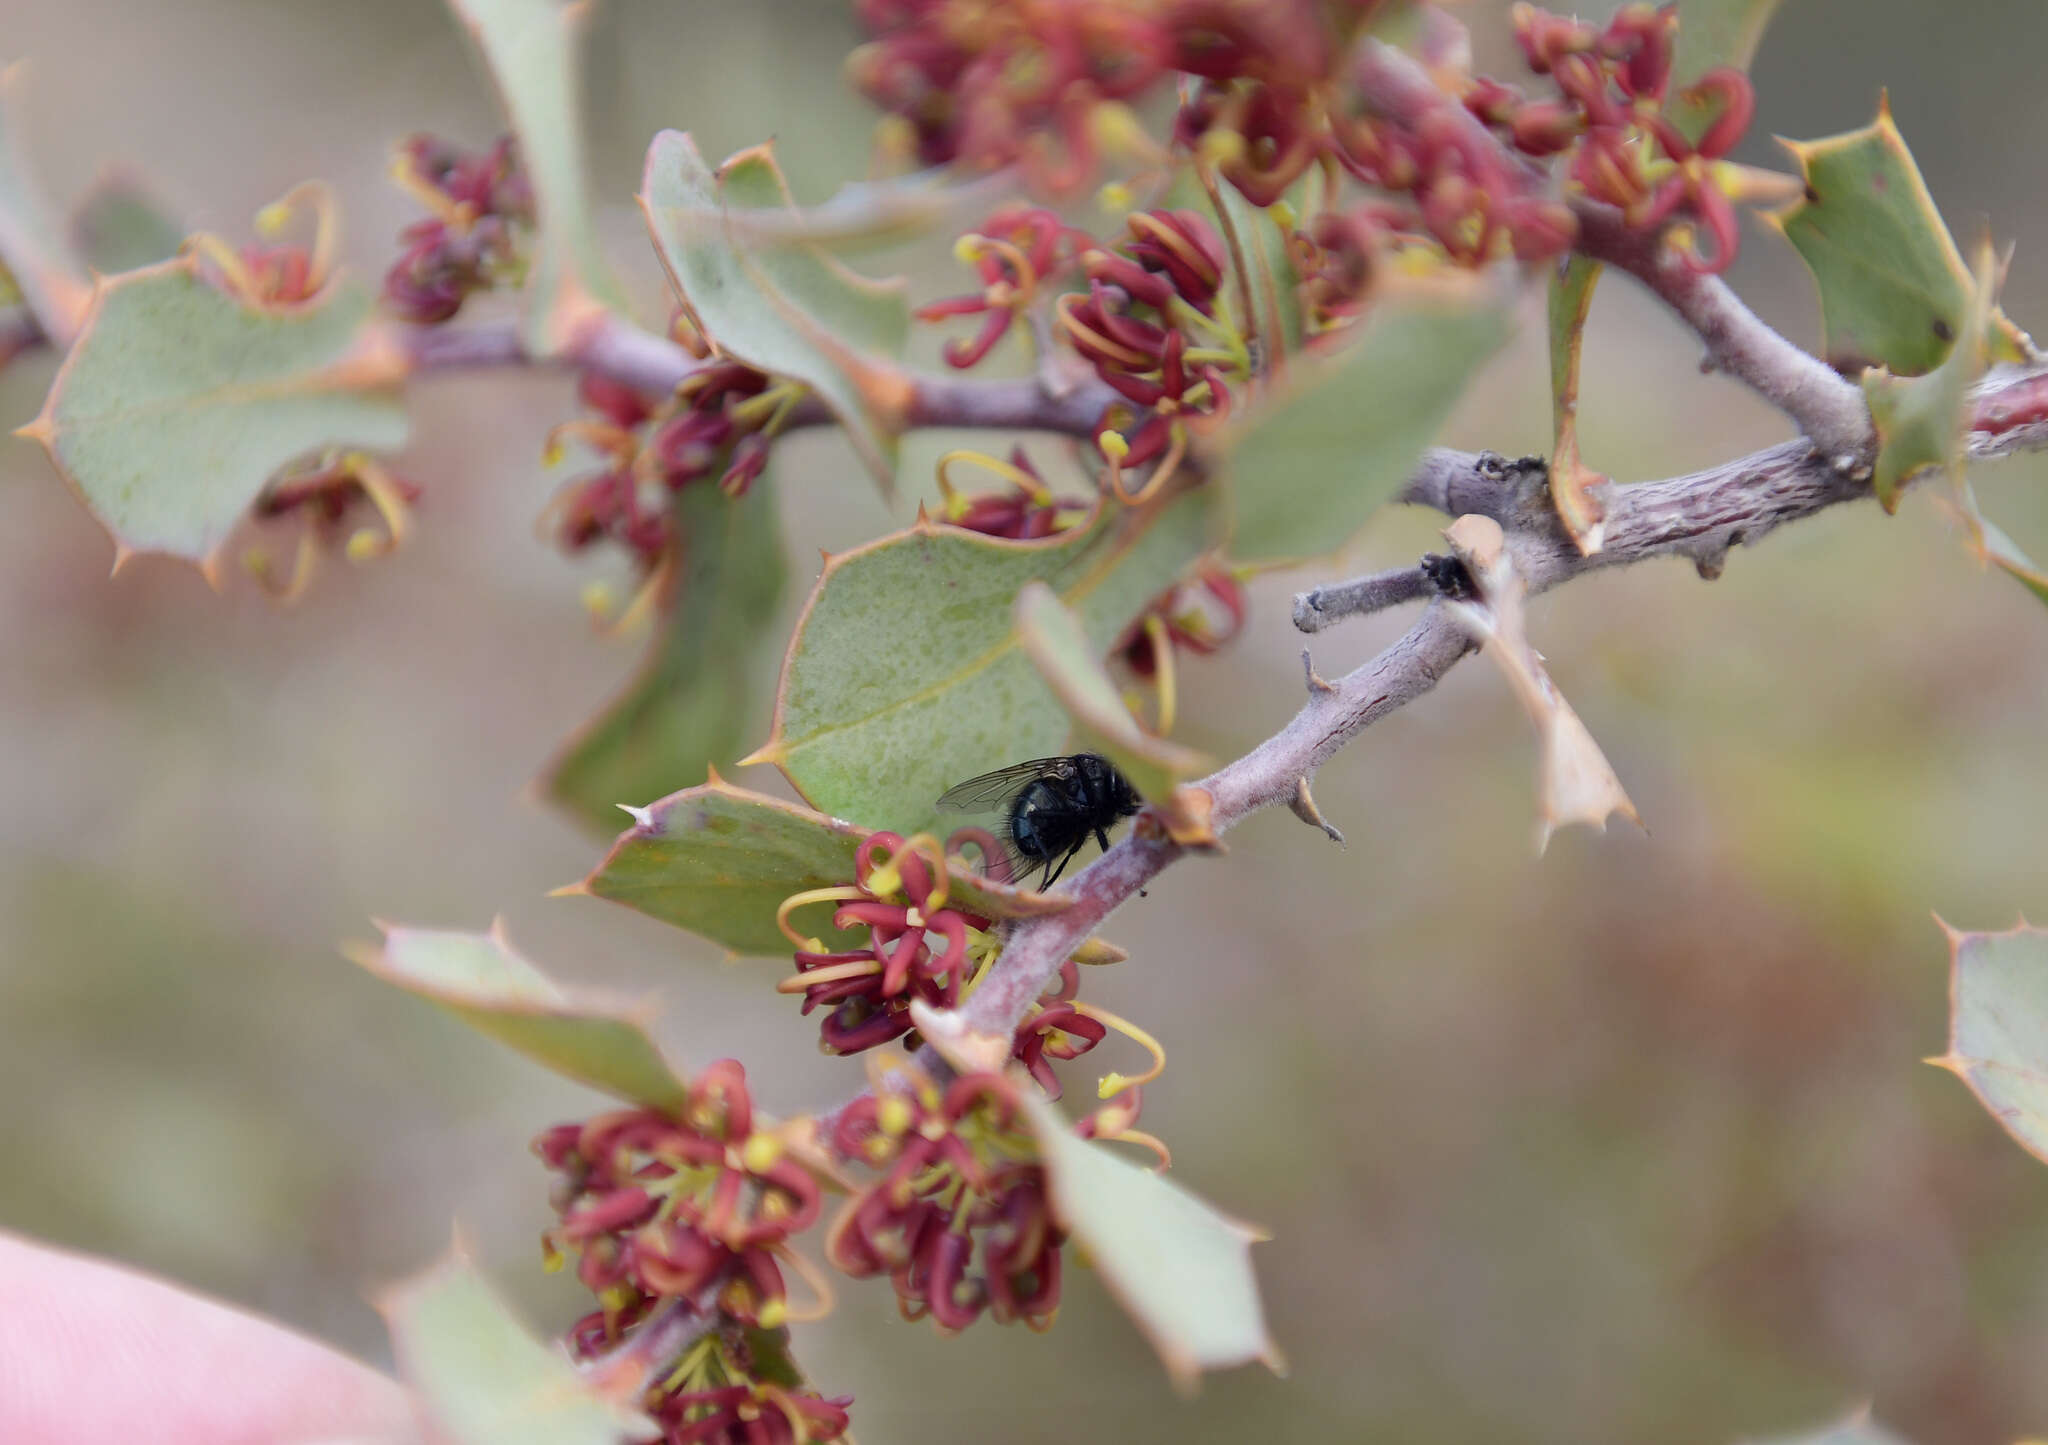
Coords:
pixel 1065 859
pixel 1102 839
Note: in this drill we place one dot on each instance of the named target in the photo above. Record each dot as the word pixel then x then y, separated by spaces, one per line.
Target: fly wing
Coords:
pixel 990 791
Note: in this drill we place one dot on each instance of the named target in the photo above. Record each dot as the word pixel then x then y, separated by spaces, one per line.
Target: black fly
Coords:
pixel 1050 806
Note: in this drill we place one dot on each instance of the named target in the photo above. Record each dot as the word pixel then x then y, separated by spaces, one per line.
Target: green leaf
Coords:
pixel 33 252
pixel 691 706
pixel 1922 421
pixel 905 675
pixel 1998 1027
pixel 1894 291
pixel 482 1379
pixel 1053 638
pixel 1571 481
pixel 1307 463
pixel 485 982
pixel 1711 34
pixel 178 402
pixel 719 860
pixel 120 225
pixel 791 309
pixel 889 212
pixel 533 48
pixel 1181 1270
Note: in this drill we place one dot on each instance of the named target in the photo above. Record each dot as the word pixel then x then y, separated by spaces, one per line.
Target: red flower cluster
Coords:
pixel 868 990
pixel 1613 113
pixel 959 1218
pixel 1016 250
pixel 656 1208
pixel 719 423
pixel 1027 511
pixel 1199 616
pixel 1149 327
pixel 693 1210
pixel 482 206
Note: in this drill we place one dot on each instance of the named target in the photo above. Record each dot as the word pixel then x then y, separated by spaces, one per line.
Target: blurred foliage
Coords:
pixel 1630 1143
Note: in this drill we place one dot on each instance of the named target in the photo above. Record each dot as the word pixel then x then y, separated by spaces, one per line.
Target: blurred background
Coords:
pixel 1628 1143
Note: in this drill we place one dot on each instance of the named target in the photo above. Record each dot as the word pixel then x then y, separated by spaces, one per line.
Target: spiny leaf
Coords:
pixel 33 252
pixel 1307 463
pixel 1180 1269
pixel 1922 421
pixel 1894 291
pixel 534 48
pixel 1053 638
pixel 790 310
pixel 1998 1027
pixel 719 860
pixel 1990 544
pixel 121 225
pixel 485 982
pixel 1571 481
pixel 1575 783
pixel 689 706
pixel 178 402
pixel 905 675
pixel 1711 34
pixel 481 1379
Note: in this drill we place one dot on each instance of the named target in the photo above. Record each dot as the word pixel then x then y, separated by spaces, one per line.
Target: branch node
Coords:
pixel 1304 808
pixel 1317 683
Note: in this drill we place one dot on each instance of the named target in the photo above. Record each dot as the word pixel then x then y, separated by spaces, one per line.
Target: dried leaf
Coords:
pixel 1575 783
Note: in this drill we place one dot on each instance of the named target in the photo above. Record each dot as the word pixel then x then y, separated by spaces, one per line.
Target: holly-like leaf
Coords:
pixel 905 676
pixel 791 310
pixel 1894 291
pixel 33 252
pixel 489 985
pixel 1922 421
pixel 120 225
pixel 1574 782
pixel 719 860
pixel 1998 1027
pixel 1307 463
pixel 1180 1269
pixel 178 402
pixel 481 1378
pixel 1990 544
pixel 1058 646
pixel 1712 34
pixel 1571 481
pixel 534 49
pixel 690 706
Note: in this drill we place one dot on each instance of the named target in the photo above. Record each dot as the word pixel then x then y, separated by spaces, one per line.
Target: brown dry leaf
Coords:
pixel 1575 784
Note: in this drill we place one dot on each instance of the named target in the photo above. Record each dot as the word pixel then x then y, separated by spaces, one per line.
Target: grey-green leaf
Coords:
pixel 693 704
pixel 482 1379
pixel 485 982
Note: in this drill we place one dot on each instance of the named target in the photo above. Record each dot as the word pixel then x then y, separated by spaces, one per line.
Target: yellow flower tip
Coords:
pixel 893 1115
pixel 551 1258
pixel 1113 445
pixel 1285 215
pixel 885 880
pixel 1110 1085
pixel 774 1314
pixel 366 545
pixel 760 1153
pixel 967 250
pixel 600 600
pixel 1115 196
pixel 1220 147
pixel 272 219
